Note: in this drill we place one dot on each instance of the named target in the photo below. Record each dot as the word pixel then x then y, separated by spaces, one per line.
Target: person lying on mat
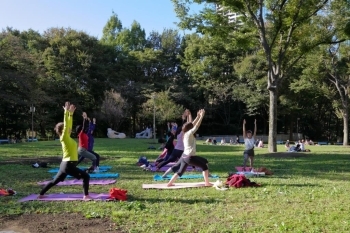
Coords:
pixel 179 147
pixel 70 155
pixel 189 156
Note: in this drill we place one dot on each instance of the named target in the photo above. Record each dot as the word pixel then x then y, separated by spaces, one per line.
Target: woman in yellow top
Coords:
pixel 70 154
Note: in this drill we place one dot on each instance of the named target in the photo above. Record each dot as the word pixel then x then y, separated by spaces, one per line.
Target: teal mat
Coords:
pixel 101 175
pixel 101 169
pixel 194 176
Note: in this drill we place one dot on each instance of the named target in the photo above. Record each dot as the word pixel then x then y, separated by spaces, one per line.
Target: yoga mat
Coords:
pixel 100 175
pixel 101 168
pixel 251 174
pixel 176 186
pixel 169 165
pixel 165 168
pixel 55 170
pixel 194 176
pixel 80 182
pixel 65 197
pixel 240 169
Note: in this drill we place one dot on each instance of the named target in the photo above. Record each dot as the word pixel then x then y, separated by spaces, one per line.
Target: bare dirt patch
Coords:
pixel 287 155
pixel 51 223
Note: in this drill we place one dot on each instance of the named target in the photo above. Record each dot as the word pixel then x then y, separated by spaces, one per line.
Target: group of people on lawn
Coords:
pixel 184 152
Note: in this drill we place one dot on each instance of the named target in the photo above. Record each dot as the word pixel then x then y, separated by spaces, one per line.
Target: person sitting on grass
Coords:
pixel 287 145
pixel 189 156
pixel 70 155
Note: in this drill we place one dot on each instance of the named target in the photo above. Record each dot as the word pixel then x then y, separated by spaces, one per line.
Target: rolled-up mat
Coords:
pixel 80 182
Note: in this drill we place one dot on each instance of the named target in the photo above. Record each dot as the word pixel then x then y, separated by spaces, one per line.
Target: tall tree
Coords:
pixel 284 30
pixel 17 82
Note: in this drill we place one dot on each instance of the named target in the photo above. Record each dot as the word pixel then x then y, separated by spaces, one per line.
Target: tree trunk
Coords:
pixel 272 147
pixel 346 126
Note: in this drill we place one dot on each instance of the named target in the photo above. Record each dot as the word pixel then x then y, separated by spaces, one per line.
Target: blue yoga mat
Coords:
pixel 55 170
pixel 101 169
pixel 194 176
pixel 101 175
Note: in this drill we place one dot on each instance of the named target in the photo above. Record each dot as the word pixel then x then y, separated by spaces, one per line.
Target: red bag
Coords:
pixel 240 181
pixel 117 194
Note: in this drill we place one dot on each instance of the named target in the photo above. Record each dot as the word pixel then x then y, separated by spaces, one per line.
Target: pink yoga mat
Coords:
pixel 66 197
pixel 80 182
pixel 176 186
pixel 240 169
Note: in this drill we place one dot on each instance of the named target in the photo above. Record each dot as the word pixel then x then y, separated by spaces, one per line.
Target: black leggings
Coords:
pixel 191 160
pixel 175 155
pixel 68 168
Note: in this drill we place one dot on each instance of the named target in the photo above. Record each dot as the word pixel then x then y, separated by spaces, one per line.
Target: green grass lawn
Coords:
pixel 305 194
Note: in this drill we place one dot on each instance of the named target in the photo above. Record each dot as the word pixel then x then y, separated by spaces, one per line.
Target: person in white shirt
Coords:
pixel 249 139
pixel 302 145
pixel 189 156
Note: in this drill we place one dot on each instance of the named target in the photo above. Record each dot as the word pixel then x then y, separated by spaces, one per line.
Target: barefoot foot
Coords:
pixel 87 198
pixel 41 196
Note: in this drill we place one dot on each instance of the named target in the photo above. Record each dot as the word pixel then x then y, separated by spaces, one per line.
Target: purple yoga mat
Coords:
pixel 80 182
pixel 169 165
pixel 66 197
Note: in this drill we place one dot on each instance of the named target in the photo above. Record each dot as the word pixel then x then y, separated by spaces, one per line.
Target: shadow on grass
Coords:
pixel 41 159
pixel 179 200
pixel 297 185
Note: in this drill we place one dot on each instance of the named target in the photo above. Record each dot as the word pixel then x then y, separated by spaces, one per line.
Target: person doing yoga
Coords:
pixel 89 131
pixel 70 155
pixel 189 156
pixel 249 140
pixel 83 152
pixel 179 147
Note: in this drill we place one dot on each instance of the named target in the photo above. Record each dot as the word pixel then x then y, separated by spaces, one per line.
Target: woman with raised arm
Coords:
pixel 249 140
pixel 83 152
pixel 70 154
pixel 189 156
pixel 179 147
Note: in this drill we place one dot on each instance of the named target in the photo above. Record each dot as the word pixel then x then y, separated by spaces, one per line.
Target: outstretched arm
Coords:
pixel 189 116
pixel 197 122
pixel 197 118
pixel 244 133
pixel 68 120
pixel 85 123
